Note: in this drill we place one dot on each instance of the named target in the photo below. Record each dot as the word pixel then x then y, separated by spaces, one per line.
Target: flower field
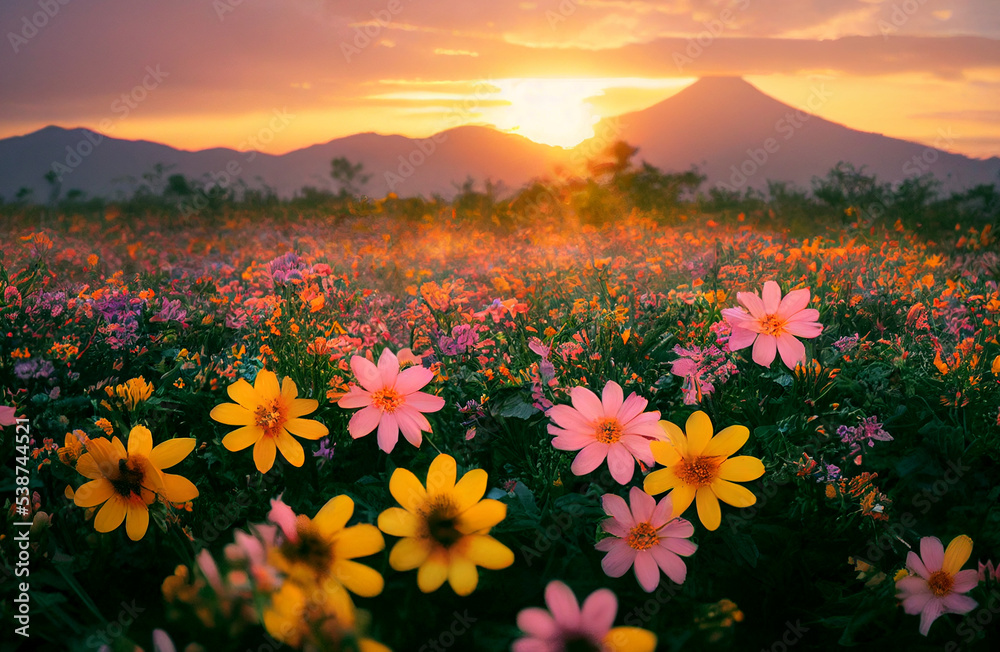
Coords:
pixel 429 433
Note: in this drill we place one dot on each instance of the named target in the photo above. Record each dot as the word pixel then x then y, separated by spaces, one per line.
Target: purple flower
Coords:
pixel 324 450
pixel 33 368
pixel 170 311
pixel 285 268
pixel 846 344
pixel 463 337
pixel 867 432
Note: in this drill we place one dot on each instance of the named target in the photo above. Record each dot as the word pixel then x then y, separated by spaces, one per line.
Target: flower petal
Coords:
pixel 432 573
pixel 388 432
pixel 358 578
pixel 589 458
pixel 619 559
pixel 364 421
pixel 708 508
pixel 366 373
pixel 232 414
pixel 958 552
pixel 137 521
pixel 424 402
pixel 620 463
pixel 470 489
pixel 481 516
pixel 408 553
pixel 178 489
pixel 263 454
pixel 140 441
pixel 727 441
pixel 764 350
pixel 266 385
pixel 359 541
pixel 487 552
pixel 630 639
pixel 563 605
pixel 241 438
pixel 412 379
pixel 616 507
pixel 399 523
pixel 172 452
pixel 598 612
pixel 741 469
pixel 407 490
pixel 462 576
pixel 93 493
pixel 792 351
pixel 111 515
pixel 771 297
pixel 699 433
pixel 299 407
pixel 244 394
pixel 306 428
pixel 334 515
pixel 733 494
pixel 388 367
pixel 612 398
pixel 793 302
pixel 668 561
pixel 932 553
pixel 587 403
pixel 441 475
pixel 741 338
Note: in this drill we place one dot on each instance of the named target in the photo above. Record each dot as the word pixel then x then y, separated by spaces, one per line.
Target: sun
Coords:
pixel 549 111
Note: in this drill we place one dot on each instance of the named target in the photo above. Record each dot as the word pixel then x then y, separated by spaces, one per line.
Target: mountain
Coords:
pixel 738 136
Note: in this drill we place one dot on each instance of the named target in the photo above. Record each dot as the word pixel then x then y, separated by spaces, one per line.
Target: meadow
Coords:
pixel 422 427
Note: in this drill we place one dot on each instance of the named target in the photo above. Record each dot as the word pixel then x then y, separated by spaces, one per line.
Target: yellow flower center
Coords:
pixel 311 549
pixel 698 472
pixel 270 416
pixel 642 537
pixel 387 399
pixel 130 477
pixel 440 522
pixel 771 325
pixel 609 431
pixel 940 583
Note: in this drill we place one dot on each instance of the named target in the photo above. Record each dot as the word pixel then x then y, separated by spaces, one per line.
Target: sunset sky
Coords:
pixel 216 72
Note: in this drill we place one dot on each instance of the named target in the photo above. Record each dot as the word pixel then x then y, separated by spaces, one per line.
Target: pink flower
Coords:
pixel 646 538
pixel 565 626
pixel 390 400
pixel 605 428
pixel 772 324
pixel 938 585
pixel 8 416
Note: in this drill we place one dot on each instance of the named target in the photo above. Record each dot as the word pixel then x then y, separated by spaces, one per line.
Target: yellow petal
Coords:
pixel 481 516
pixel 665 452
pixel 659 481
pixel 956 554
pixel 263 454
pixel 699 433
pixel 682 497
pixel 398 522
pixel 111 515
pixel 369 645
pixel 359 541
pixel 334 515
pixel 728 441
pixel 441 475
pixel 302 406
pixel 463 576
pixel 407 490
pixel 93 493
pixel 266 385
pixel 630 639
pixel 433 572
pixel 290 448
pixel 140 441
pixel 242 438
pixel 734 494
pixel 288 389
pixel 178 489
pixel 741 469
pixel 487 552
pixel 408 554
pixel 244 394
pixel 676 436
pixel 358 578
pixel 708 508
pixel 136 522
pixel 88 468
pixel 171 452
pixel 470 489
pixel 231 414
pixel 306 428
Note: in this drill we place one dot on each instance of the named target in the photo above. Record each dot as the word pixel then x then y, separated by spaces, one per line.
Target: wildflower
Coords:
pixel 463 337
pixel 936 584
pixel 105 425
pixel 645 537
pixel 326 620
pixel 699 467
pixel 567 626
pixel 127 482
pixel 848 343
pixel 313 551
pixel 445 527
pixel 868 432
pixel 325 449
pixel 701 369
pixel 607 428
pixel 170 311
pixel 8 416
pixel 772 324
pixel 73 447
pixel 269 415
pixel 391 401
pixel 130 393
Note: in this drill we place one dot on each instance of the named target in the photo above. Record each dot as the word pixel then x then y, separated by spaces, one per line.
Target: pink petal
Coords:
pixel 647 571
pixel 598 613
pixel 388 367
pixel 638 447
pixel 764 349
pixel 388 433
pixel 411 379
pixel 752 303
pixel 570 418
pixel 619 558
pixel 409 426
pixel 537 622
pixel 771 297
pixel 915 603
pixel 620 463
pixel 631 408
pixel 283 516
pixel 679 528
pixel 957 603
pixel 424 402
pixel 661 514
pixel 355 398
pixel 932 610
pixel 646 424
pixel 366 373
pixel 616 507
pixel 794 301
pixel 741 338
pixel 569 441
pixel 614 528
pixel 612 398
pixel 364 421
pixel 807 315
pixel 792 351
pixel 672 565
pixel 563 605
pixel 932 553
pixel 736 316
pixel 682 547
pixel 642 505
pixel 806 329
pixel 965 581
pixel 534 645
pixel 914 563
pixel 587 403
pixel 589 458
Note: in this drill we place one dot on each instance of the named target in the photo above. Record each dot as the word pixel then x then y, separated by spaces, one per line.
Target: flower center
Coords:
pixel 269 416
pixel 771 325
pixel 440 521
pixel 642 537
pixel 609 431
pixel 699 472
pixel 129 480
pixel 310 549
pixel 940 583
pixel 387 399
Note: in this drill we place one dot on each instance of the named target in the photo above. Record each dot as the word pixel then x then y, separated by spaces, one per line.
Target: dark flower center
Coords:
pixel 441 522
pixel 311 549
pixel 129 480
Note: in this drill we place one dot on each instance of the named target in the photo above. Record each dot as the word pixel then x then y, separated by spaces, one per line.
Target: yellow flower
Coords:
pixel 699 467
pixel 326 620
pixel 445 527
pixel 315 551
pixel 105 425
pixel 127 482
pixel 130 393
pixel 73 447
pixel 269 416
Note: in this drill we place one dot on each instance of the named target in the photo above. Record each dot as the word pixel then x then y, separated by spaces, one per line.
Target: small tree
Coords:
pixel 349 176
